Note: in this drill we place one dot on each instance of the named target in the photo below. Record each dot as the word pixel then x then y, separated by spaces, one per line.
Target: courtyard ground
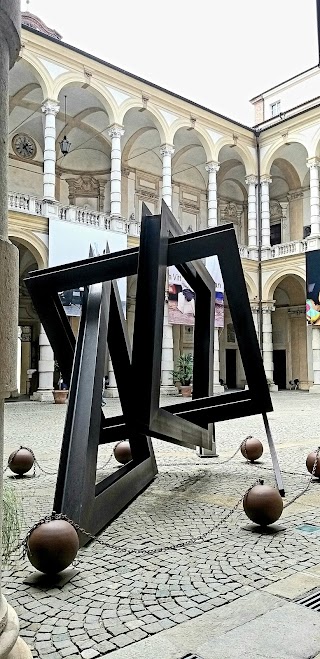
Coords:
pixel 232 593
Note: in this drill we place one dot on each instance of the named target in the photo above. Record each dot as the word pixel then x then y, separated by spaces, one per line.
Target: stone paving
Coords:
pixel 142 584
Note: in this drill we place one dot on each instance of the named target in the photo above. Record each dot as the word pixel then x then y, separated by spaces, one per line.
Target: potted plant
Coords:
pixel 182 374
pixel 60 391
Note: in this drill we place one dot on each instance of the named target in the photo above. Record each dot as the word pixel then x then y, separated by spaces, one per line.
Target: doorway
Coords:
pixel 280 368
pixel 231 368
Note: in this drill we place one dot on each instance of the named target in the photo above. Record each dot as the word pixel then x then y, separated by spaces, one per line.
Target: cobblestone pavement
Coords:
pixel 121 594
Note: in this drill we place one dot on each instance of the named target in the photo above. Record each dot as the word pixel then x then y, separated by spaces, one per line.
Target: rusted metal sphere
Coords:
pixel 251 448
pixel 52 546
pixel 310 463
pixel 21 461
pixel 122 452
pixel 263 504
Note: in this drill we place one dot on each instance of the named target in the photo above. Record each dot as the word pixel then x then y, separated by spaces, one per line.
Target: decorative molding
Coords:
pixel 30 20
pixel 115 131
pixel 50 107
pixel 215 136
pixel 276 212
pixel 167 150
pixel 265 179
pixel 86 186
pixel 313 163
pixel 212 167
pixel 252 179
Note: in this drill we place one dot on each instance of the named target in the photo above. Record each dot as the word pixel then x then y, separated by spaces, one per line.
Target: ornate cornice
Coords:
pixel 30 20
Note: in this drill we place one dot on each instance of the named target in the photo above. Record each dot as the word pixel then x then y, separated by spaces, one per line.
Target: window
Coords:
pixel 275 234
pixel 275 109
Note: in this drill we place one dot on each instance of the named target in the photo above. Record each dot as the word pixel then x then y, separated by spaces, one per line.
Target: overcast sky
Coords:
pixel 218 54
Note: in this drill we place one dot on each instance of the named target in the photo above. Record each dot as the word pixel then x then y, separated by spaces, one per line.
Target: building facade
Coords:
pixel 134 142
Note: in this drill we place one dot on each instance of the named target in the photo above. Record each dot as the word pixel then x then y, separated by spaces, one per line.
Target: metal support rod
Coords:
pixel 274 457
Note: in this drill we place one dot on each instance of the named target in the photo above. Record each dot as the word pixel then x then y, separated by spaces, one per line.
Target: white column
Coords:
pixel 315 388
pixel 285 224
pixel 50 110
pixel 115 132
pixel 265 211
pixel 251 182
pixel 267 344
pixel 167 363
pixel 212 168
pixel 255 316
pixel 10 24
pixel 314 164
pixel 45 370
pixel 217 387
pixel 167 152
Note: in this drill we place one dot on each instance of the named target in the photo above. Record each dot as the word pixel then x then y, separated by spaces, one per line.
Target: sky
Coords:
pixel 218 54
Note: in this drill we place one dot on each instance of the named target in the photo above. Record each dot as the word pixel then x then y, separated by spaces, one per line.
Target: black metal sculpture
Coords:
pixel 162 243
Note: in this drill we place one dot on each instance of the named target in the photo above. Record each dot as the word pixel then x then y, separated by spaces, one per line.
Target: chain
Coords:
pixel 314 468
pixel 37 464
pixel 179 545
pixel 215 464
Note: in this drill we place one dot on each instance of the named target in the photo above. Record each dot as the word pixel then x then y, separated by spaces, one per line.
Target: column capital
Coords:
pixel 265 178
pixel 212 166
pixel 313 162
pixel 269 306
pixel 167 150
pixel 50 107
pixel 251 179
pixel 115 131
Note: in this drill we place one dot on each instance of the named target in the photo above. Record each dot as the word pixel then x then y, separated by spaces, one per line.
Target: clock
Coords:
pixel 24 146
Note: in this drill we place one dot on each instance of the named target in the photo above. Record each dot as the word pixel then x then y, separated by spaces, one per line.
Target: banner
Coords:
pixel 313 287
pixel 181 299
pixel 71 242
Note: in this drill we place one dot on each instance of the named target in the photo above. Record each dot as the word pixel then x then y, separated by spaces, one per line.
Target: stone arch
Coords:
pixel 291 175
pixel 198 130
pixel 156 117
pixel 251 287
pixel 33 243
pixel 129 144
pixel 270 155
pixel 246 156
pixel 67 80
pixel 275 279
pixel 40 73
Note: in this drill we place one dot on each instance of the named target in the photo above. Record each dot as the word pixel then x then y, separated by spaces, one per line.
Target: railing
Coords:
pixel 24 203
pixel 288 249
pixel 34 206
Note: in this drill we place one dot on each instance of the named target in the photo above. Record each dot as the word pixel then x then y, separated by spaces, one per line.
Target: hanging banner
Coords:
pixel 213 267
pixel 313 287
pixel 181 300
pixel 69 242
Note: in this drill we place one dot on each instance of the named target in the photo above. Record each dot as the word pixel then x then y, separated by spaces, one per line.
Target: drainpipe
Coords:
pixel 260 315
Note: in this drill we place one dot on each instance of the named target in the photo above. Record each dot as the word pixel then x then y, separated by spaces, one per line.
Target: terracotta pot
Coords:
pixel 21 461
pixel 186 390
pixel 263 504
pixel 122 452
pixel 310 463
pixel 53 546
pixel 60 395
pixel 251 448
